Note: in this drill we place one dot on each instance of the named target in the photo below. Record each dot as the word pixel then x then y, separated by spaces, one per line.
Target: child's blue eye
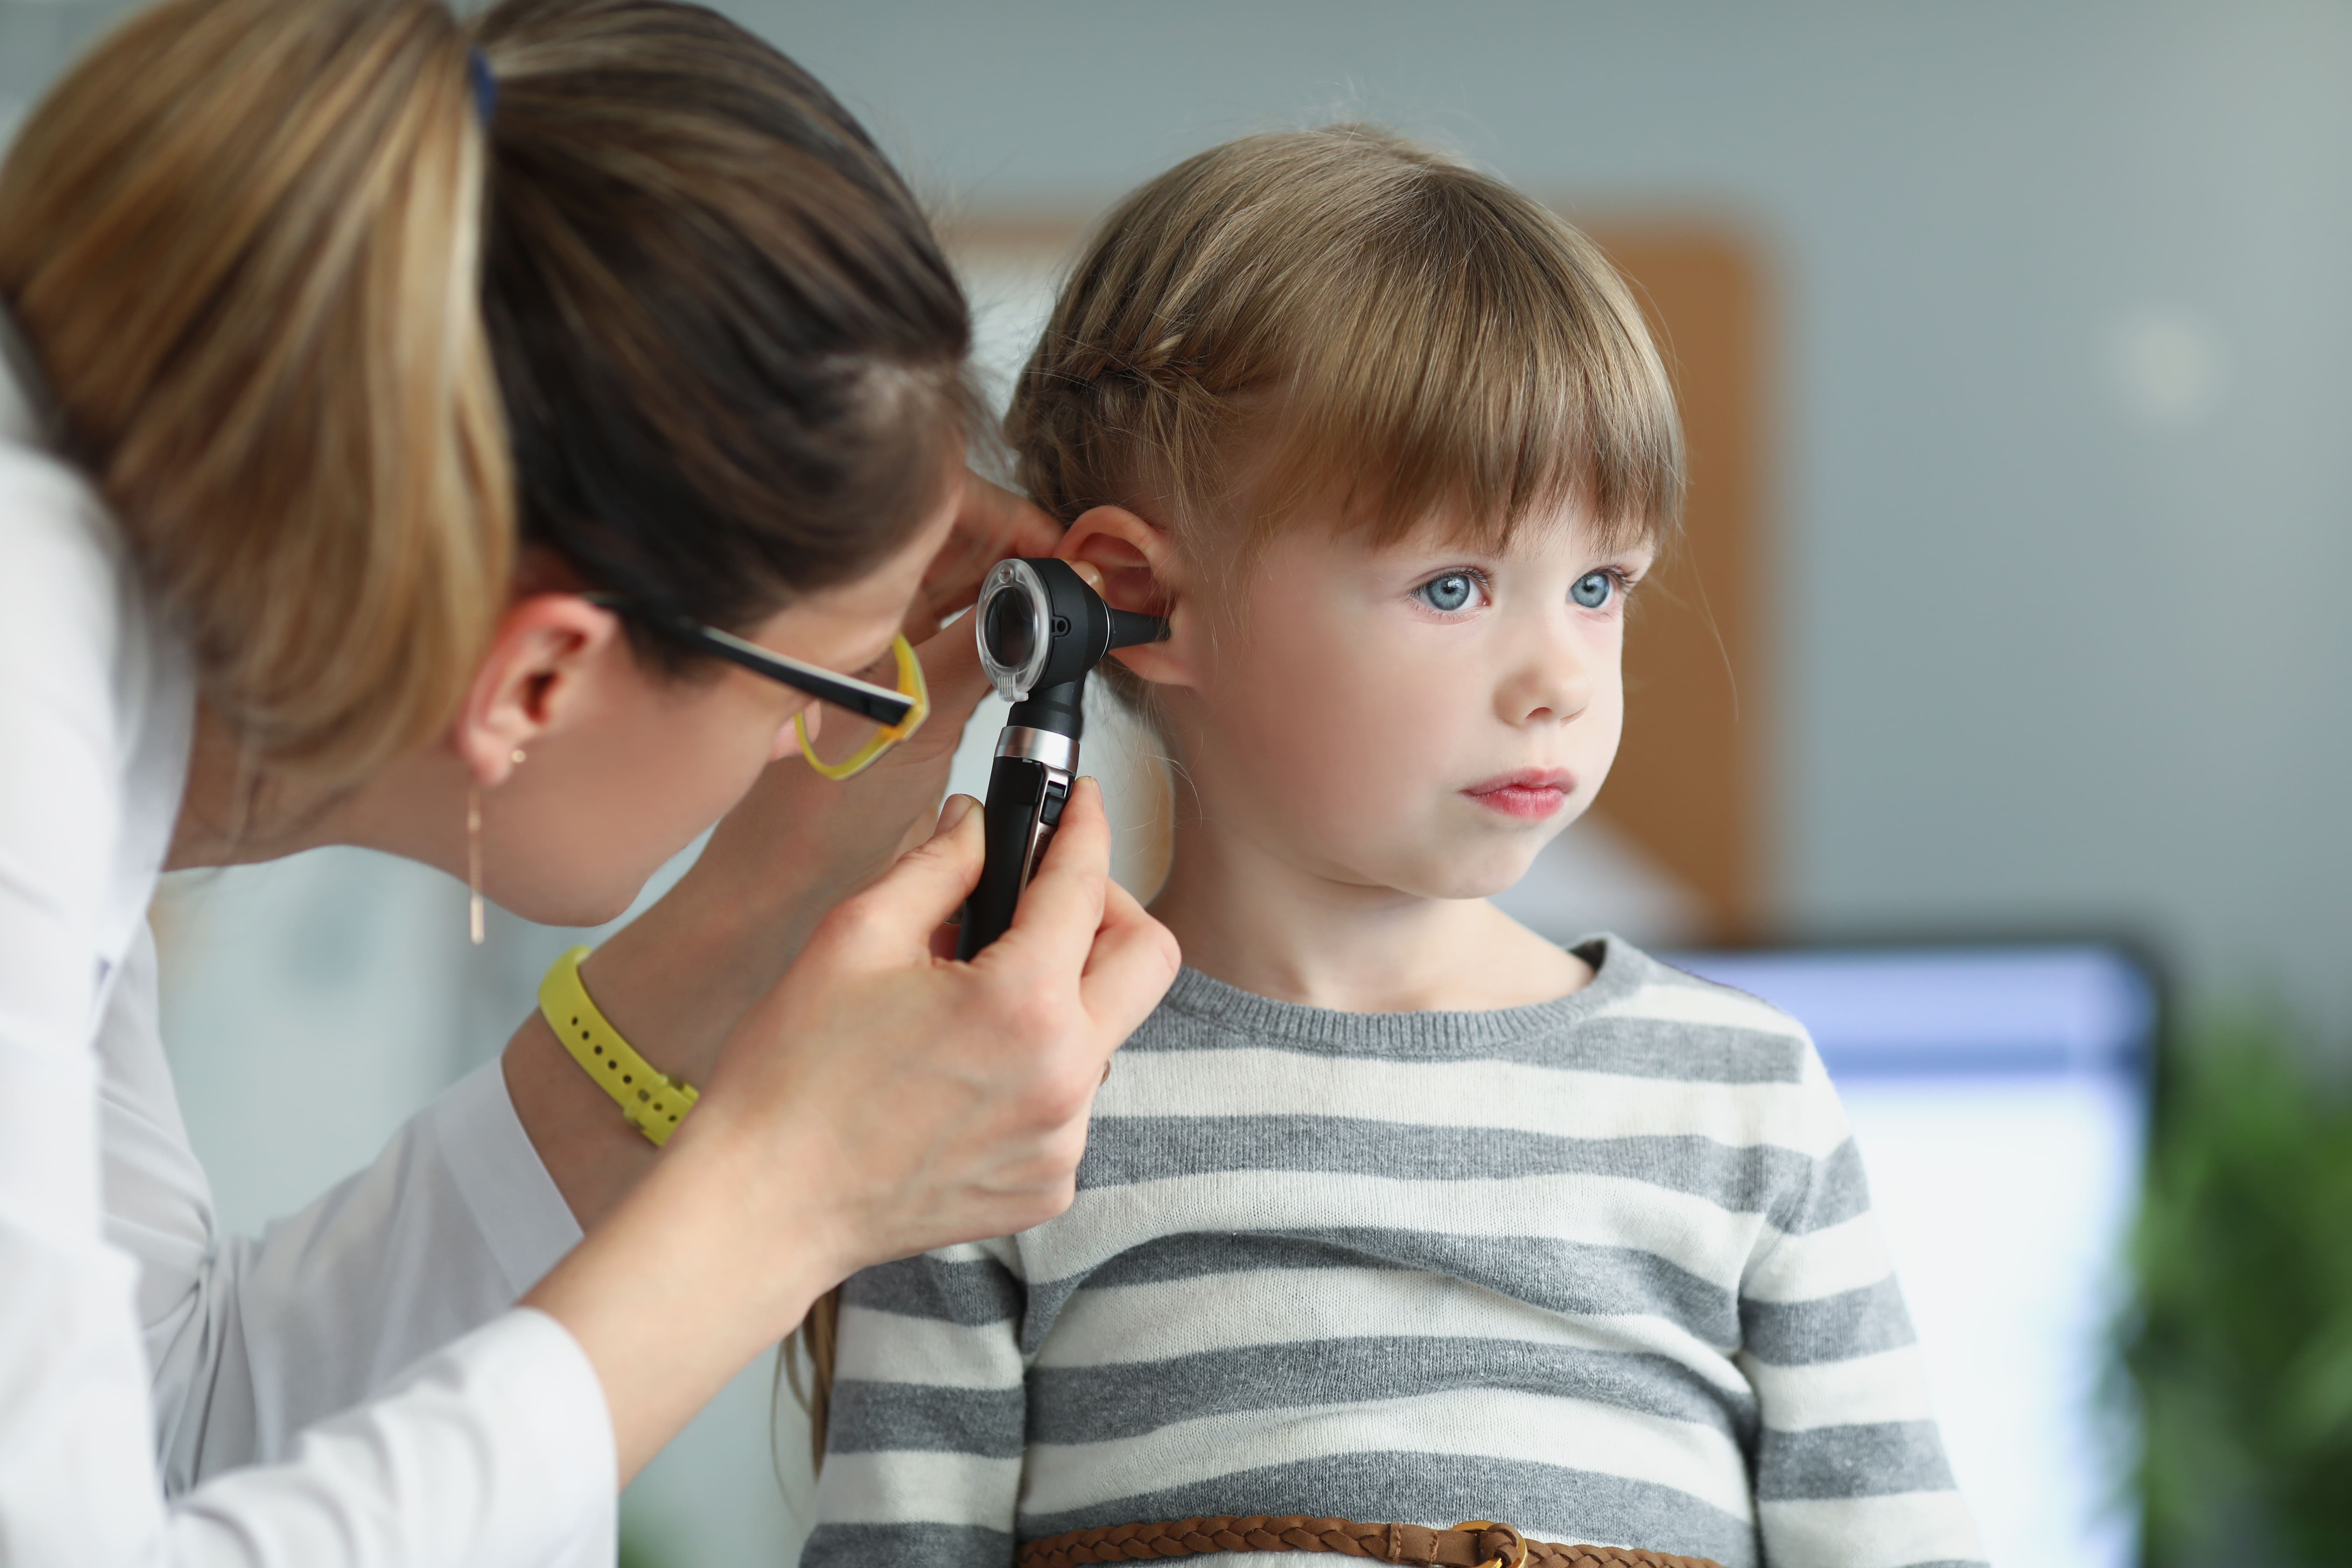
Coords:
pixel 1449 593
pixel 1592 589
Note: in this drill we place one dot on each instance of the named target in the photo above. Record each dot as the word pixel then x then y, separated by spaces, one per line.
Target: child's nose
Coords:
pixel 1550 680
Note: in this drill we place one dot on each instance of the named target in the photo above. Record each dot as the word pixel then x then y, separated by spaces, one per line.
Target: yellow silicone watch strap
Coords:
pixel 652 1103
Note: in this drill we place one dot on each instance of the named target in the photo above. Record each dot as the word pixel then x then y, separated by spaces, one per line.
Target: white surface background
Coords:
pixel 2004 1201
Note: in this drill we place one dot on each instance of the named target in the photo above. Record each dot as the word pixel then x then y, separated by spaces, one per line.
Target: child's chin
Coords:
pixel 1481 878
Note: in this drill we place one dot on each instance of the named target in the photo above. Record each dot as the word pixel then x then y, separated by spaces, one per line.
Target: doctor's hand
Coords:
pixel 878 1100
pixel 991 522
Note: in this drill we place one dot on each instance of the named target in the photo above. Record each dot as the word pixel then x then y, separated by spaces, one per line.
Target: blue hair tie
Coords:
pixel 486 86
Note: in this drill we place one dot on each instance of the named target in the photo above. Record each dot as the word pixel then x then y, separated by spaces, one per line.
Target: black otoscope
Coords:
pixel 1042 631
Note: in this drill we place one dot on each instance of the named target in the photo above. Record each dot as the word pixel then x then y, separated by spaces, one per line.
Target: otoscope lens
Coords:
pixel 1012 628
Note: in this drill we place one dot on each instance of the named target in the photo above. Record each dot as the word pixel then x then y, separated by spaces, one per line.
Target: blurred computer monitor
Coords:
pixel 1998 1095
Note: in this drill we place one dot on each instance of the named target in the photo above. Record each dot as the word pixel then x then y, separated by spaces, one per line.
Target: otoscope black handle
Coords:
pixel 1041 627
pixel 1025 806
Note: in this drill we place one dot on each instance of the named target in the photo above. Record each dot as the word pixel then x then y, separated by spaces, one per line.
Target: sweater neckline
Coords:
pixel 1616 964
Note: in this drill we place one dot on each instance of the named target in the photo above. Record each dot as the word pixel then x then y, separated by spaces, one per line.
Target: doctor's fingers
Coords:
pixel 1075 921
pixel 891 923
pixel 1134 961
pixel 991 522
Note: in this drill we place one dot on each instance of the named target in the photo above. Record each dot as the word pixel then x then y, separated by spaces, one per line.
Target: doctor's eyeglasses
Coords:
pixel 873 710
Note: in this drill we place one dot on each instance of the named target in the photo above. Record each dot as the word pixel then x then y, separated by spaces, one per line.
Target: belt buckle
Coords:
pixel 1519 1561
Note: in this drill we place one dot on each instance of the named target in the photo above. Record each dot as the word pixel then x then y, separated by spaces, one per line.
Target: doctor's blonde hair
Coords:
pixel 242 241
pixel 338 321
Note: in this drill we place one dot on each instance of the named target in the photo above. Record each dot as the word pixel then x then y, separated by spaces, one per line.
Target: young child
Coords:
pixel 1393 1212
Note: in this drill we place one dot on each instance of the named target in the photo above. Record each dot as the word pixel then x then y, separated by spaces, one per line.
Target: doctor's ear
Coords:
pixel 547 651
pixel 1141 571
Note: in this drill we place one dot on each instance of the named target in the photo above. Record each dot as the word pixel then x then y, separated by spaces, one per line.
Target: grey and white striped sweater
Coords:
pixel 1603 1267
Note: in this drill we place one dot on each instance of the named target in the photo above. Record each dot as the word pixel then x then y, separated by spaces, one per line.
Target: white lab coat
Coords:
pixel 356 1388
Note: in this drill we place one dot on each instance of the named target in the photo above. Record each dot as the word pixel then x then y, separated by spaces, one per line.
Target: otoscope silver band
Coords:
pixel 1038 746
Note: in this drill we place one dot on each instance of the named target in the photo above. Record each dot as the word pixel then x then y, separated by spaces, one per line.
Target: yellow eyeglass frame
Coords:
pixel 911 685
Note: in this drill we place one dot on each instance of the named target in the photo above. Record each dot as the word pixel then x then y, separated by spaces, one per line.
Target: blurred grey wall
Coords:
pixel 2065 298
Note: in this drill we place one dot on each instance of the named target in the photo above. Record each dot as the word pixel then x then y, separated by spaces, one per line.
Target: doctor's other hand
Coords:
pixel 991 522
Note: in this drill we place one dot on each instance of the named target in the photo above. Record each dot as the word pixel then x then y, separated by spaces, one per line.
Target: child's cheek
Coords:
pixel 1335 722
pixel 1600 727
pixel 1384 742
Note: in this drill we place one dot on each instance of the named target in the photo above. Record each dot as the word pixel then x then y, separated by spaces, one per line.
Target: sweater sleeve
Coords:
pixel 1850 1467
pixel 923 1452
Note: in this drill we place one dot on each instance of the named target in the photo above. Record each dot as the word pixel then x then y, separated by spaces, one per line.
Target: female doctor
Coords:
pixel 479 442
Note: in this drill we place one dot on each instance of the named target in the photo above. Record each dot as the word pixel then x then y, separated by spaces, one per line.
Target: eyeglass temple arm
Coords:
pixel 878 704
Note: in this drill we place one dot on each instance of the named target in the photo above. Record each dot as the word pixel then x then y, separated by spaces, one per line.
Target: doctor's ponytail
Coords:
pixel 242 238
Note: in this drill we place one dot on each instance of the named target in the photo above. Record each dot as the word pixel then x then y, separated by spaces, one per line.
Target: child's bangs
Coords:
pixel 1473 368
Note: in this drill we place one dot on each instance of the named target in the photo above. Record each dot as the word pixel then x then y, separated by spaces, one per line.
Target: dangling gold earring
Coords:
pixel 474 861
pixel 474 855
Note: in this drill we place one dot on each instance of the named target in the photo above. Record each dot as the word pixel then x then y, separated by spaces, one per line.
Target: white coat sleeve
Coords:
pixel 252 1339
pixel 495 1449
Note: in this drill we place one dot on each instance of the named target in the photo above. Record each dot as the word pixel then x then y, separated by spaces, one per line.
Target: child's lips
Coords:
pixel 1531 795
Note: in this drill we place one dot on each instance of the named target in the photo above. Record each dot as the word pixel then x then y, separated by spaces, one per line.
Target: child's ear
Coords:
pixel 1139 572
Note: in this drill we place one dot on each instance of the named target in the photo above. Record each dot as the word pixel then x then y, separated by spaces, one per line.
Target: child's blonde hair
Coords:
pixel 1356 319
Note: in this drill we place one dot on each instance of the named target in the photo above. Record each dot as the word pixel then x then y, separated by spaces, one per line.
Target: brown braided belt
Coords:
pixel 1479 1543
